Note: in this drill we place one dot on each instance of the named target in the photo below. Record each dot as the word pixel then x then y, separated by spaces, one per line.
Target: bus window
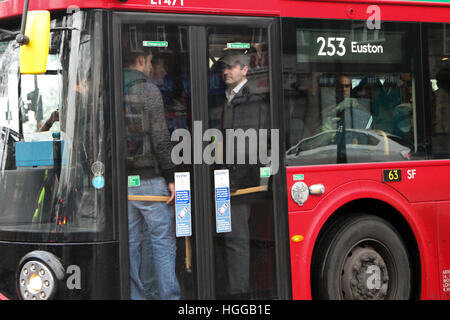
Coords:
pixel 439 73
pixel 352 87
pixel 54 139
pixel 41 97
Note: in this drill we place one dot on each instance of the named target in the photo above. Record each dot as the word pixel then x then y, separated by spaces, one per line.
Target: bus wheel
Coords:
pixel 361 257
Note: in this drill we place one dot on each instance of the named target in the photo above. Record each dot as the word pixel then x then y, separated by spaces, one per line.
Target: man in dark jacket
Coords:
pixel 242 110
pixel 148 156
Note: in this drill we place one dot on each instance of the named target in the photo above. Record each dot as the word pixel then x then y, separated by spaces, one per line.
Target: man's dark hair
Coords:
pixel 157 57
pixel 130 58
pixel 443 75
pixel 133 37
pixel 443 79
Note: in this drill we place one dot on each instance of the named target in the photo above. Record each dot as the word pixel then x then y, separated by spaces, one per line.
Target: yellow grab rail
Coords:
pixel 165 198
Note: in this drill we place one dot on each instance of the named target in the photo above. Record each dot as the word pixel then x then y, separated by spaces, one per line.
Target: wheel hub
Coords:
pixel 364 275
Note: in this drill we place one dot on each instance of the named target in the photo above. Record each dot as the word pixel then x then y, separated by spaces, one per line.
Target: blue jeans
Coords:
pixel 152 224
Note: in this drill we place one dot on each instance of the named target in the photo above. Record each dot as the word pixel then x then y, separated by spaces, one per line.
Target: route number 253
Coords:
pixel 333 45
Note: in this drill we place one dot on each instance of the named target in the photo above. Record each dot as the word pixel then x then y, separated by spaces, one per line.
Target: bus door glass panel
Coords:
pixel 239 102
pixel 438 85
pixel 349 92
pixel 53 126
pixel 157 104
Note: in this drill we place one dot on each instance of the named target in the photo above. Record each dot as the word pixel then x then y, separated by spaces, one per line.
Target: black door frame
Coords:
pixel 202 184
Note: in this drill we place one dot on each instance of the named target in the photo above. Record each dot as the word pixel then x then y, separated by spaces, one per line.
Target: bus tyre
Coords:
pixel 361 257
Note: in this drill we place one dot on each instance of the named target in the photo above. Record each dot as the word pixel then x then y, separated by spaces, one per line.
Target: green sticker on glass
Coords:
pixel 134 181
pixel 237 45
pixel 299 177
pixel 264 172
pixel 156 44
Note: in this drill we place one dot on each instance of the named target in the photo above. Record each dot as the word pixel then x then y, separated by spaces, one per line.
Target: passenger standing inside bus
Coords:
pixel 442 98
pixel 148 156
pixel 159 75
pixel 242 110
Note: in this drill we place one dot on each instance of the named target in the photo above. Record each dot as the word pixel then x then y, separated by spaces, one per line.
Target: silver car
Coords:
pixel 359 146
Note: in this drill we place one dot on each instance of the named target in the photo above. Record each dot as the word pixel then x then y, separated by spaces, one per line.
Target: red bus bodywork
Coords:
pixel 392 10
pixel 424 208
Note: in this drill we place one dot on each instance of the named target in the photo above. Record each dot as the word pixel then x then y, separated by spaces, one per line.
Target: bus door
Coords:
pixel 437 74
pixel 246 151
pixel 217 236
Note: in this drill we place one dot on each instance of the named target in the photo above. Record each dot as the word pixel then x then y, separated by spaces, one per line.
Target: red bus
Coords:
pixel 350 202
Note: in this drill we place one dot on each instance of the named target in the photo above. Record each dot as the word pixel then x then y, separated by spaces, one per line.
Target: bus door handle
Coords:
pixel 316 189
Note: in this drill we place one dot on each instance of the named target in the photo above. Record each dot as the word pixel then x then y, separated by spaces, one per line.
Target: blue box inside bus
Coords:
pixel 38 153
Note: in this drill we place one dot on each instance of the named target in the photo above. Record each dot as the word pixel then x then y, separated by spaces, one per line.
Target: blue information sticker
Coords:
pixel 222 198
pixel 183 219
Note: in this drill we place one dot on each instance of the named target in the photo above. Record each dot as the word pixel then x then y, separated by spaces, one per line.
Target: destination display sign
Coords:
pixel 349 46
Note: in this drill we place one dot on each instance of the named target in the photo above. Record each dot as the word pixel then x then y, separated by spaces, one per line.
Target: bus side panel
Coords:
pixel 425 223
pixel 301 223
pixel 92 270
pixel 421 218
pixel 423 180
pixel 412 11
pixel 443 216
